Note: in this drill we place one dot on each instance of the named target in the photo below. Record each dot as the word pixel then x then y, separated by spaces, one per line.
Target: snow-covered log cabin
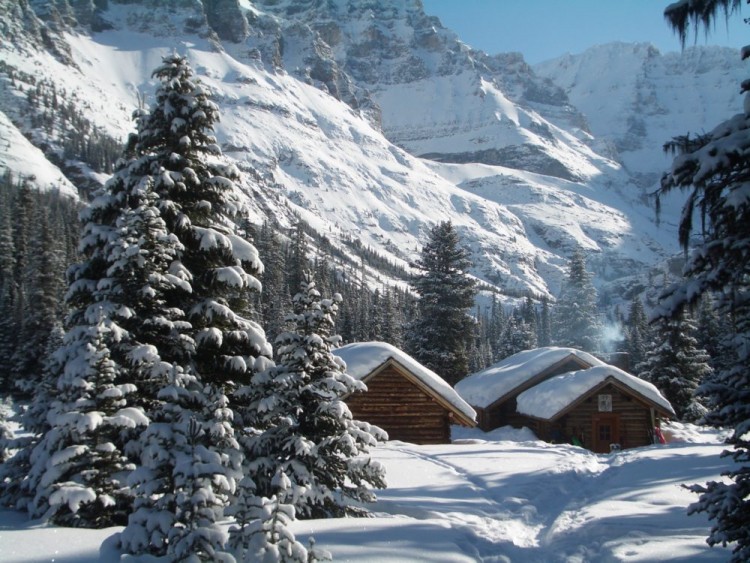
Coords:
pixel 403 397
pixel 566 395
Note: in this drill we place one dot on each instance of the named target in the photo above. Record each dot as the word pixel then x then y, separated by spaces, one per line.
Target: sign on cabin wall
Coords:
pixel 605 403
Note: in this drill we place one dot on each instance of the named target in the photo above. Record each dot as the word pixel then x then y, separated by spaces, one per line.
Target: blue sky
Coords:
pixel 544 29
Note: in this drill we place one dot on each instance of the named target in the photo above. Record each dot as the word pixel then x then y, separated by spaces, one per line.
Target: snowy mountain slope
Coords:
pixel 299 119
pixel 23 159
pixel 304 152
pixel 438 98
pixel 636 99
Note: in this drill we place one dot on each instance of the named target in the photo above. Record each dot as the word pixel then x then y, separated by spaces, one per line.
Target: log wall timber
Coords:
pixel 401 408
pixel 633 415
pixel 630 420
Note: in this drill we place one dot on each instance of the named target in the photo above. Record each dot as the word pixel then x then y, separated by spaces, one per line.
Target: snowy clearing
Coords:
pixel 491 497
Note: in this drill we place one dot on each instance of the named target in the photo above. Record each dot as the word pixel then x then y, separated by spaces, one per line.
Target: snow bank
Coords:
pixel 463 435
pixel 485 387
pixel 685 432
pixel 361 358
pixel 548 398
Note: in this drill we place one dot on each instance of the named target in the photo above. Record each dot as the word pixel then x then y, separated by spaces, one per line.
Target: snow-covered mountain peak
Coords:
pixel 636 98
pixel 371 121
pixel 439 98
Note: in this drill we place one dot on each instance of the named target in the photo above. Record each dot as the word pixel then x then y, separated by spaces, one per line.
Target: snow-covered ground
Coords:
pixel 500 496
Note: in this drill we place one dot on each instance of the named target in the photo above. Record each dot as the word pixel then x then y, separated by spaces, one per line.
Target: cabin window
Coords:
pixel 605 403
pixel 605 433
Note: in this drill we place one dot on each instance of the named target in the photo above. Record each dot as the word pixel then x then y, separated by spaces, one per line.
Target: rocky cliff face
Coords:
pixel 636 98
pixel 440 99
pixel 370 121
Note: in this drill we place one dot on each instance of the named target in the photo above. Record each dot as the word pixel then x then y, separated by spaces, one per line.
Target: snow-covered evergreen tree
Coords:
pixel 303 428
pixel 180 486
pixel 113 296
pixel 18 486
pixel 275 299
pixel 517 336
pixel 78 467
pixel 544 330
pixel 440 336
pixel 715 168
pixel 262 533
pixel 197 347
pixel 576 321
pixel 197 202
pixel 637 333
pixel 674 363
pixel 162 277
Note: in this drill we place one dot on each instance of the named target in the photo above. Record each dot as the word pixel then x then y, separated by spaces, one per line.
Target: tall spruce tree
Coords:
pixel 44 291
pixel 305 437
pixel 576 316
pixel 441 334
pixel 674 363
pixel 8 330
pixel 715 168
pixel 637 333
pixel 155 302
pixel 189 456
pixel 544 329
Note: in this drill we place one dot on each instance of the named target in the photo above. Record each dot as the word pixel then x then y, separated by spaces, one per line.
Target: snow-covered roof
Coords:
pixel 485 387
pixel 362 358
pixel 549 398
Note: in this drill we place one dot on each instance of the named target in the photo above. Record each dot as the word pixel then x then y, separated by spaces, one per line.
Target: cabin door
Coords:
pixel 605 431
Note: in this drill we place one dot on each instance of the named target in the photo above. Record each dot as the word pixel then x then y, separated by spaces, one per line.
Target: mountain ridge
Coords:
pixel 317 142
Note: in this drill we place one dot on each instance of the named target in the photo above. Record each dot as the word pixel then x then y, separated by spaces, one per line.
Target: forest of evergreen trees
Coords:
pixel 39 233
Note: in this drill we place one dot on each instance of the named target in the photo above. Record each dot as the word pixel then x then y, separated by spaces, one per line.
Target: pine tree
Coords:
pixel 18 484
pixel 262 533
pixel 8 330
pixel 713 332
pixel 297 261
pixel 112 295
pixel 198 347
pixel 714 167
pixel 275 299
pixel 576 316
pixel 44 290
pixel 391 326
pixel 303 428
pixel 8 334
pixel 544 330
pixel 80 468
pixel 675 364
pixel 530 322
pixel 440 336
pixel 637 334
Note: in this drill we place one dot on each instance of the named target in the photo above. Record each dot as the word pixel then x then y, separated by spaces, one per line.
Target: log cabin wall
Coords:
pixel 634 418
pixel 401 408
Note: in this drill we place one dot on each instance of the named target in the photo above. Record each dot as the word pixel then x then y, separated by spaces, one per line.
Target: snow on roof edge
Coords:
pixel 483 388
pixel 548 398
pixel 362 358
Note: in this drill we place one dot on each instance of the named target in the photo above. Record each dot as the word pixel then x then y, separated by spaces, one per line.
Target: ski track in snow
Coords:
pixel 573 506
pixel 524 518
pixel 498 523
